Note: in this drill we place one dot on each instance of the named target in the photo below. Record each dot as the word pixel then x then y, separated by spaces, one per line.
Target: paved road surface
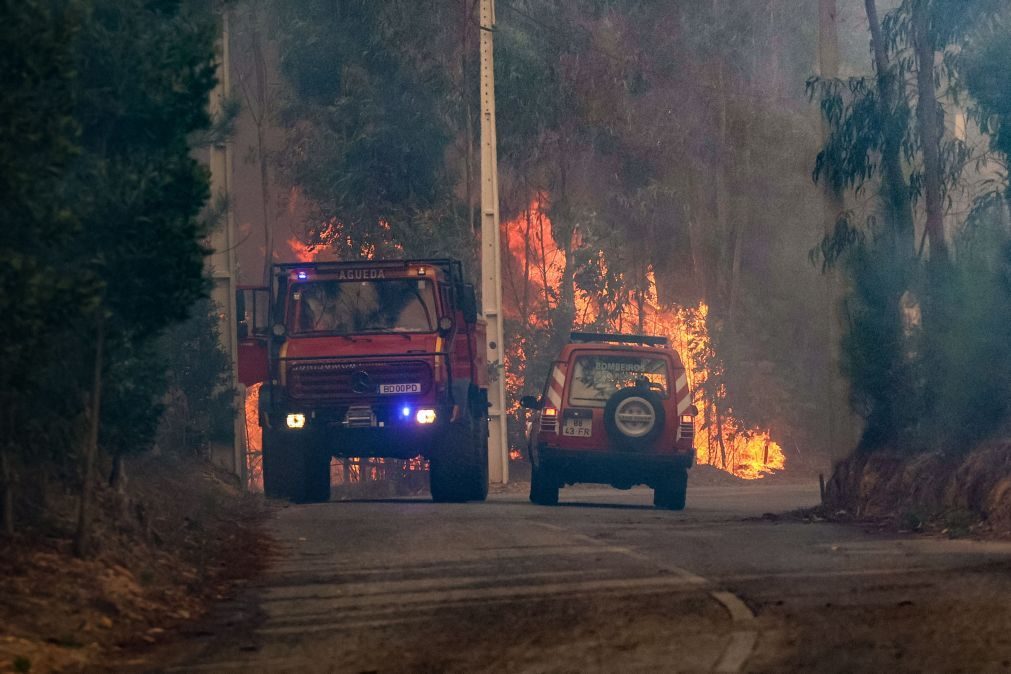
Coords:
pixel 606 583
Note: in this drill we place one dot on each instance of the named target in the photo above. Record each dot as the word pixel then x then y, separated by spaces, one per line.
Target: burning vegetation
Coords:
pixel 533 282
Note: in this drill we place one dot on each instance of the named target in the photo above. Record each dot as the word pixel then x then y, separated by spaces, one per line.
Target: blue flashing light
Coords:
pixel 302 275
pixel 405 412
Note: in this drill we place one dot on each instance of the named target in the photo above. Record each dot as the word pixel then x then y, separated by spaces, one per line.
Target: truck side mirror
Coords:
pixel 468 304
pixel 530 403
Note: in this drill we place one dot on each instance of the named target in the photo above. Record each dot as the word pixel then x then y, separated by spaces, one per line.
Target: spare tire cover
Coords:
pixel 634 417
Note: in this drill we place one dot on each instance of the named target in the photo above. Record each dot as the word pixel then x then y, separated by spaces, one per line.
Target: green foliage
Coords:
pixel 38 139
pixel 928 346
pixel 878 358
pixel 132 399
pixel 990 86
pixel 198 382
pixel 371 113
pixel 100 195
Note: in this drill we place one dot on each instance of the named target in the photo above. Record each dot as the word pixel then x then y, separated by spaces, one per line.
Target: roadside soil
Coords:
pixel 181 536
pixel 934 493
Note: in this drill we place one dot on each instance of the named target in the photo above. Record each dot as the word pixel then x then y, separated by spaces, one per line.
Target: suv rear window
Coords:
pixel 596 378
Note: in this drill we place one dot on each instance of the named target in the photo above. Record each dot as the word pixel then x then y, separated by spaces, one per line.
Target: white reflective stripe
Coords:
pixel 681 382
pixel 554 397
pixel 684 404
pixel 557 375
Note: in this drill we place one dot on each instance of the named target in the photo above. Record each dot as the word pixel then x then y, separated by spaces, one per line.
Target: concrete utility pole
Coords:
pixel 491 260
pixel 222 262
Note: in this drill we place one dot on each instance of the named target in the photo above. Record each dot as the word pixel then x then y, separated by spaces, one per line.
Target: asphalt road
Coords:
pixel 604 582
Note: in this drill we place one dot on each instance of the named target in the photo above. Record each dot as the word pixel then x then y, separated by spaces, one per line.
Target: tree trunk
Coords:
pixel 7 490
pixel 930 128
pixel 82 539
pixel 896 188
pixel 719 434
pixel 117 476
pixel 721 195
pixel 833 206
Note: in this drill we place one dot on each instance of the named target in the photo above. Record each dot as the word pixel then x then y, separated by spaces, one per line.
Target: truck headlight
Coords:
pixel 425 417
pixel 295 420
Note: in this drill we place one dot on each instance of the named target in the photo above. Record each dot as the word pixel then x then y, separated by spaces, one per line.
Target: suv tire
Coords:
pixel 670 492
pixel 612 426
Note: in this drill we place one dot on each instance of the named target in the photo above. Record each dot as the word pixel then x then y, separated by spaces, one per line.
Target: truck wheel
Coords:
pixel 311 474
pixel 277 466
pixel 670 492
pixel 460 472
pixel 543 486
pixel 479 479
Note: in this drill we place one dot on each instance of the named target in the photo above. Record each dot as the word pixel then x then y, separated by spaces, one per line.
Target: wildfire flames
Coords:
pixel 533 273
pixel 254 439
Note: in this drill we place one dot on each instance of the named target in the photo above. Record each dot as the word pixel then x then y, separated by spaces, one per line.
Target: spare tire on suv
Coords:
pixel 634 417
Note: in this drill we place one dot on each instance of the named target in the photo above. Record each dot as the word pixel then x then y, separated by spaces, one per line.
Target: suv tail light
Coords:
pixel 686 430
pixel 549 420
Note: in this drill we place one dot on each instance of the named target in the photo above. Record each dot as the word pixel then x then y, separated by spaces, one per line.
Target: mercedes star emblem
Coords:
pixel 361 382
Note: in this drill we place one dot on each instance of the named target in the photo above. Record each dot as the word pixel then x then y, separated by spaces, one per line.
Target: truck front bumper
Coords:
pixel 388 432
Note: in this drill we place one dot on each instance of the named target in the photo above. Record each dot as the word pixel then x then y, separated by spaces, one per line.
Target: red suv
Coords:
pixel 615 410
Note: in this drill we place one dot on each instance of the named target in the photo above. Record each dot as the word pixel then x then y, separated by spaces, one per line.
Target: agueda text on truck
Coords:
pixel 367 359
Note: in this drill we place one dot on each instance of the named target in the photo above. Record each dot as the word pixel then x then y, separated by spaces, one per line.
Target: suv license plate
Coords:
pixel 579 428
pixel 394 389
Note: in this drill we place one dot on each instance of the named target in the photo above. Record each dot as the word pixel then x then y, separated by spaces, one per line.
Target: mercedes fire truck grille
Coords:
pixel 335 381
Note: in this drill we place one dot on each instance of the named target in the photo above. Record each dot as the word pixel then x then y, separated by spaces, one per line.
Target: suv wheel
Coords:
pixel 634 417
pixel 543 486
pixel 671 491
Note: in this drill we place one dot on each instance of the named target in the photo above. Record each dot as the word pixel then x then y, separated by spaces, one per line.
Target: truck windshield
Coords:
pixel 596 378
pixel 354 307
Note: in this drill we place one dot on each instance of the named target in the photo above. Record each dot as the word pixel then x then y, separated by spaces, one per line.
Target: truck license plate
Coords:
pixel 393 389
pixel 579 428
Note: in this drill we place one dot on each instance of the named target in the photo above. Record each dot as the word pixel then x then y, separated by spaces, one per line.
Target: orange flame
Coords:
pixel 254 438
pixel 303 252
pixel 532 273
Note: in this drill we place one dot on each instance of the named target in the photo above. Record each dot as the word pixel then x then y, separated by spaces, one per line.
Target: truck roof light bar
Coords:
pixel 648 340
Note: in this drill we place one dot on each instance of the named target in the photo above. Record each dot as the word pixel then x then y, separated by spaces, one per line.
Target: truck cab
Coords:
pixel 367 359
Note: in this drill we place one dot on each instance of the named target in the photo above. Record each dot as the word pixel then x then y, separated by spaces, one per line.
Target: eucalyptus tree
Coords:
pixel 911 306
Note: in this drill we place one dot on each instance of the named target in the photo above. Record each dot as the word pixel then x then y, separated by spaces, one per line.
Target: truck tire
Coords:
pixel 277 465
pixel 671 491
pixel 311 482
pixel 479 481
pixel 543 486
pixel 460 471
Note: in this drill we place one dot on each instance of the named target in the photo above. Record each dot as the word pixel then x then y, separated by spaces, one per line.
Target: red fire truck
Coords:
pixel 367 359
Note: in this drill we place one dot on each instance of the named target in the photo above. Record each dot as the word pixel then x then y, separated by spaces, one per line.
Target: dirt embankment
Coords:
pixel 933 491
pixel 182 536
